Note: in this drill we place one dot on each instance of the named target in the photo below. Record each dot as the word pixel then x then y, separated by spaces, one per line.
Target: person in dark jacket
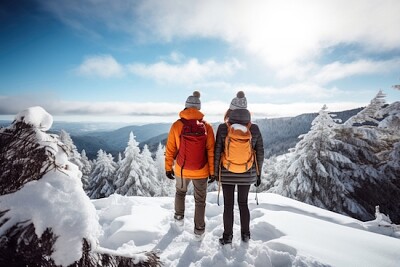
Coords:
pixel 237 114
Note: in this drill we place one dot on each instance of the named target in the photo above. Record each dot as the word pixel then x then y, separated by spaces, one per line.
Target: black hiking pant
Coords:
pixel 242 197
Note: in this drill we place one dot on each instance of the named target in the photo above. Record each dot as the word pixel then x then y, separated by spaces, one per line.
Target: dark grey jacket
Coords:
pixel 241 116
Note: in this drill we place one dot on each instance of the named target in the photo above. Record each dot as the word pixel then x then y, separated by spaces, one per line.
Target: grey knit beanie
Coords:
pixel 239 102
pixel 193 101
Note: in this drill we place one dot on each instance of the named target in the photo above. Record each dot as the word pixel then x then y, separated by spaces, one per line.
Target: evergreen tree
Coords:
pixel 119 159
pixel 271 172
pixel 329 164
pixel 86 169
pixel 391 115
pixel 370 114
pixel 131 177
pixel 167 186
pixel 343 168
pixel 150 173
pixel 73 155
pixel 312 175
pixel 392 168
pixel 102 177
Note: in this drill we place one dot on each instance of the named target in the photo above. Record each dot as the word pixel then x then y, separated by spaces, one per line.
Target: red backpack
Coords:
pixel 192 153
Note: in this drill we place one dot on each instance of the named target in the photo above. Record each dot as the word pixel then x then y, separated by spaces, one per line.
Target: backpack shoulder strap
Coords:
pixel 248 125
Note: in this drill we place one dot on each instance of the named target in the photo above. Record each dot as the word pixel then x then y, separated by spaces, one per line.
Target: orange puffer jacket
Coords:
pixel 173 143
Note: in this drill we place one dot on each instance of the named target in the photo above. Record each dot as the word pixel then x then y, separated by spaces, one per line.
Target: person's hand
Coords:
pixel 258 182
pixel 170 174
pixel 211 179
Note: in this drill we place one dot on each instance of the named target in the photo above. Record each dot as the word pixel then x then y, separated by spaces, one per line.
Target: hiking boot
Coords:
pixel 198 235
pixel 246 237
pixel 225 239
pixel 198 232
pixel 179 219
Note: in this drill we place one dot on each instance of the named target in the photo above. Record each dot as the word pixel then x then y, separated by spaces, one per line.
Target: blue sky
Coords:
pixel 138 61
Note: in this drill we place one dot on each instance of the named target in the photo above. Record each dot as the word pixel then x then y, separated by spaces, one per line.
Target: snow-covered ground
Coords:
pixel 284 232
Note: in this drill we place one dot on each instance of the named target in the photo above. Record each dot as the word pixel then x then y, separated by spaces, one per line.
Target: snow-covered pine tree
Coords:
pixel 119 160
pixel 86 169
pixel 272 171
pixel 391 115
pixel 313 169
pixel 371 114
pixel 358 164
pixel 130 176
pixel 375 180
pixel 73 155
pixel 128 173
pixel 167 186
pixel 102 176
pixel 149 182
pixel 391 123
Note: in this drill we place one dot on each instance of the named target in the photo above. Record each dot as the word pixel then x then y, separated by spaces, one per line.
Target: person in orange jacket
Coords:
pixel 197 172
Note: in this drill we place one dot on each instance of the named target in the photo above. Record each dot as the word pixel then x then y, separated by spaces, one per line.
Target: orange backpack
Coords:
pixel 238 155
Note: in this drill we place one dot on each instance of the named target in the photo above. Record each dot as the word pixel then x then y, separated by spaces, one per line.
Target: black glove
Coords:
pixel 211 179
pixel 170 174
pixel 258 182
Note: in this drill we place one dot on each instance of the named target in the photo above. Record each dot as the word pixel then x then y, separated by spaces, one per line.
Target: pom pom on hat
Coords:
pixel 193 101
pixel 240 94
pixel 196 94
pixel 239 102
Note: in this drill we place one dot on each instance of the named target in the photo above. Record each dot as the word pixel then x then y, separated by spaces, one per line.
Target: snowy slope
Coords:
pixel 285 232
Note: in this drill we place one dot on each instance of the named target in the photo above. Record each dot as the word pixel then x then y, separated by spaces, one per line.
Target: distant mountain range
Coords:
pixel 279 134
pixel 116 141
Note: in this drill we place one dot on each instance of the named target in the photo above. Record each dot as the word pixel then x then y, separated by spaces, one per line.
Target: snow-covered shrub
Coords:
pixel 46 219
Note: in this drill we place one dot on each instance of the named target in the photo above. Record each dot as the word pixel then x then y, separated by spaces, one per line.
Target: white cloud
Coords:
pixel 102 66
pixel 174 56
pixel 177 72
pixel 338 70
pixel 187 72
pixel 280 32
pixel 302 90
pixel 289 36
pixel 324 74
pixel 307 91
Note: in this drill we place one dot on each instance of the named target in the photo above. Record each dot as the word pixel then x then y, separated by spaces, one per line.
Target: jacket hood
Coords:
pixel 191 114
